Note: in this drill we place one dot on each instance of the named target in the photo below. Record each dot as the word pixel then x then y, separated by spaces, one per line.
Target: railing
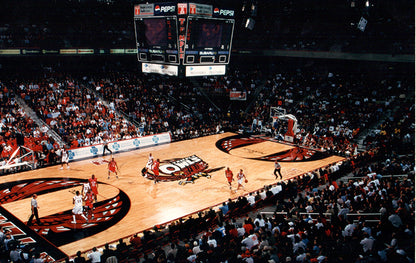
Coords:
pixel 53 134
pixel 348 178
pixel 315 216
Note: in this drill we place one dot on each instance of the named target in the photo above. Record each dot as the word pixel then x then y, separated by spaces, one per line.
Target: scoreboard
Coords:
pixel 208 41
pixel 183 38
pixel 157 39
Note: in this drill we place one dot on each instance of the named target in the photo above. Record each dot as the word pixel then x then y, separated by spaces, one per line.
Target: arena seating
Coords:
pixel 18 129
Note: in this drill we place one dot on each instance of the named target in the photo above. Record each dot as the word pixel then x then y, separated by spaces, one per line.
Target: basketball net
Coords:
pixel 22 156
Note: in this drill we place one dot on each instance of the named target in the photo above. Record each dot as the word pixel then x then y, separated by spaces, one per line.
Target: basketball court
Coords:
pixel 133 203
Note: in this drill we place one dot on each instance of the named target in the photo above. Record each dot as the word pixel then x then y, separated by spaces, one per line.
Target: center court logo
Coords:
pixel 185 170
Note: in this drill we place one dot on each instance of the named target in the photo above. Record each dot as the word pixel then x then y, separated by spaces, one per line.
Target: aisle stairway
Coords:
pixel 32 114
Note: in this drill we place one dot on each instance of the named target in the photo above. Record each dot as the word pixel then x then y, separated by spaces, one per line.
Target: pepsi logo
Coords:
pixel 168 8
pixel 216 10
pixel 157 8
pixel 225 12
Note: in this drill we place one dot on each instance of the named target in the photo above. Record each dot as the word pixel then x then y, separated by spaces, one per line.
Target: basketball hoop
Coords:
pixel 22 156
pixel 277 112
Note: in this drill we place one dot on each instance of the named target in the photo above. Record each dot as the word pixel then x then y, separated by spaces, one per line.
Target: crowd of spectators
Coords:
pixel 74 112
pixel 396 132
pixel 292 25
pixel 13 250
pixel 18 129
pixel 331 110
pixel 87 111
pixel 156 104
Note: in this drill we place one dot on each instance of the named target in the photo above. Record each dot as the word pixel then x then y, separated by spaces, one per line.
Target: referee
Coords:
pixel 35 207
pixel 277 168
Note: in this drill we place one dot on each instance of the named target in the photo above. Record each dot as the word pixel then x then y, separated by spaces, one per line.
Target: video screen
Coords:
pixel 209 33
pixel 156 32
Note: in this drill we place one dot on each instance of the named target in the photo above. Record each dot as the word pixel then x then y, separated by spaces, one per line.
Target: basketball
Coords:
pixel 246 181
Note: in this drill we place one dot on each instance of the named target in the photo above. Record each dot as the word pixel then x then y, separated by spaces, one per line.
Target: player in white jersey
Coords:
pixel 85 188
pixel 64 159
pixel 150 161
pixel 241 177
pixel 78 208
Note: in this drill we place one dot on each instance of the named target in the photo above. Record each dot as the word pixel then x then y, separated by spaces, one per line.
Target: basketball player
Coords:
pixel 64 159
pixel 229 175
pixel 240 178
pixel 89 203
pixel 85 188
pixel 155 170
pixel 277 168
pixel 149 165
pixel 112 167
pixel 77 210
pixel 94 186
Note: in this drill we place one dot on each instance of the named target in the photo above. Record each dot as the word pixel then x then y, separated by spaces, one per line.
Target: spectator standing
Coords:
pixel 79 258
pixel 95 256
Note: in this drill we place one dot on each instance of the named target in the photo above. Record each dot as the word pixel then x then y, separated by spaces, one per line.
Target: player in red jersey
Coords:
pixel 112 167
pixel 94 186
pixel 229 175
pixel 89 203
pixel 155 170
